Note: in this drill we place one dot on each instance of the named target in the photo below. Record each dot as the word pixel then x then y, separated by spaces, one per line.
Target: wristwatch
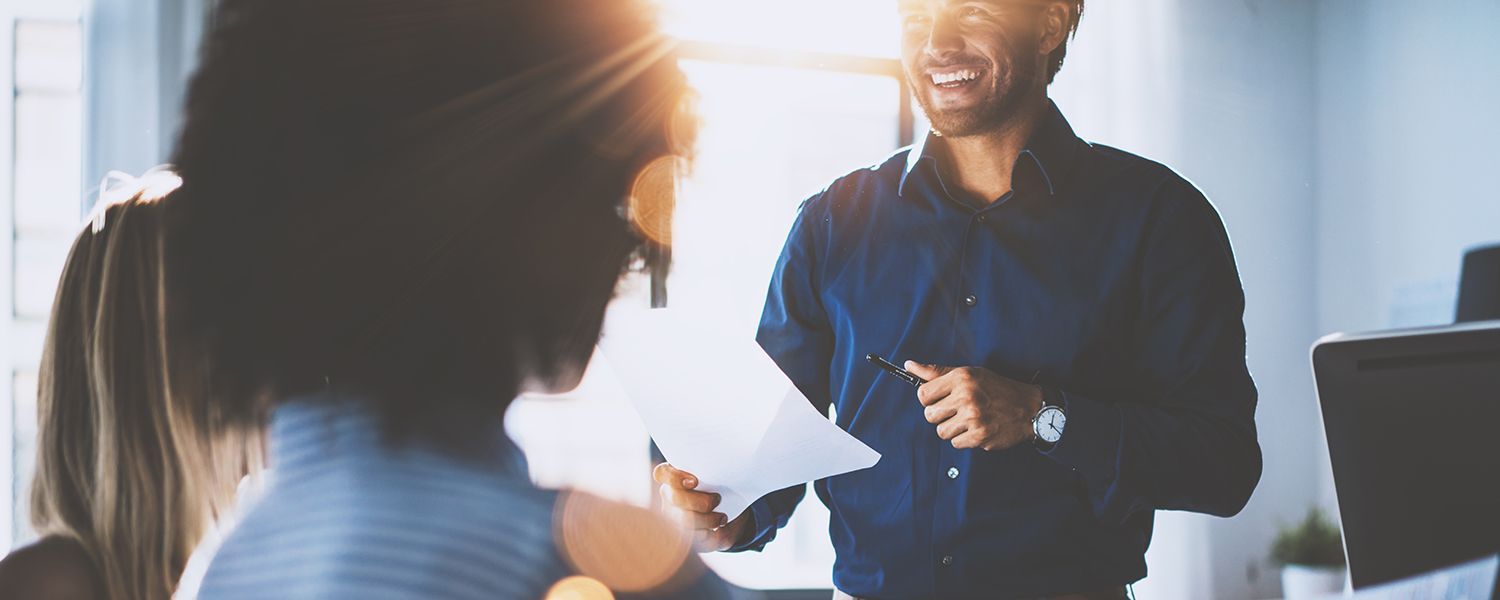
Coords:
pixel 1047 426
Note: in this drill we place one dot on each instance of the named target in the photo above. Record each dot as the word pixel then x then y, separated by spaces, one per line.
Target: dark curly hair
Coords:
pixel 419 203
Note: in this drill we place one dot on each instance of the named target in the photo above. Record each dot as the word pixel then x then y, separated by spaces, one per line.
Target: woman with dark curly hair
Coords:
pixel 396 217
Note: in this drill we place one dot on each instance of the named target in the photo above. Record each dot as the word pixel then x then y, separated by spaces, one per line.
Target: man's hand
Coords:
pixel 976 408
pixel 712 531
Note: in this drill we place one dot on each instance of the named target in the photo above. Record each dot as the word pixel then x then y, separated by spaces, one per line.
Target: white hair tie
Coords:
pixel 118 186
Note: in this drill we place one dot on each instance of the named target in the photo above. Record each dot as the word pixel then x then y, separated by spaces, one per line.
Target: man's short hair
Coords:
pixel 1055 61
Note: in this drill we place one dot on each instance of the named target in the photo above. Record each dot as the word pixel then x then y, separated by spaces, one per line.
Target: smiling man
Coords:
pixel 1075 310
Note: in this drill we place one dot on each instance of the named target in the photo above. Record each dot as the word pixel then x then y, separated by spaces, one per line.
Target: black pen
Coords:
pixel 899 372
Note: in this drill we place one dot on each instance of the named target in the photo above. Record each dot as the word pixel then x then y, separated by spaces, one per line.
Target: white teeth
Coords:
pixel 960 75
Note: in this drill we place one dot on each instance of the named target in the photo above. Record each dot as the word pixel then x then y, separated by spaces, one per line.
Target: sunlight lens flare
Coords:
pixel 653 199
pixel 854 27
pixel 579 588
pixel 627 549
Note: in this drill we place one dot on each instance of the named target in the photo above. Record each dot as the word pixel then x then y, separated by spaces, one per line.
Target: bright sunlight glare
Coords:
pixel 859 27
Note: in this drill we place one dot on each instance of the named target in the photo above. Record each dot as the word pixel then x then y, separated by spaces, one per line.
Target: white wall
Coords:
pixel 1222 90
pixel 1408 114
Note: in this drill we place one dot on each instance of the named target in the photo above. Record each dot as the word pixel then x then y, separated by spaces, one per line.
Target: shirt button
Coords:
pixel 970 300
pixel 982 218
pixel 952 472
pixel 947 560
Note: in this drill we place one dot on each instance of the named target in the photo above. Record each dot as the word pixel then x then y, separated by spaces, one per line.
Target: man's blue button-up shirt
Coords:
pixel 1103 275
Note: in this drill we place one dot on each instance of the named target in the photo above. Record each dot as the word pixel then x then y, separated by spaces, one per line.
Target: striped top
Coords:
pixel 348 516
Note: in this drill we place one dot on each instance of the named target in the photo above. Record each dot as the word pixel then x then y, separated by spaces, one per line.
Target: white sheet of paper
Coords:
pixel 719 407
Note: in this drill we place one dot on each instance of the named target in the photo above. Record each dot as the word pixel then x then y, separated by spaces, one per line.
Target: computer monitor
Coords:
pixel 1413 424
pixel 1479 285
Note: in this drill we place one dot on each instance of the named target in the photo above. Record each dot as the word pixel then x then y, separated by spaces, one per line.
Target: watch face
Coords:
pixel 1049 424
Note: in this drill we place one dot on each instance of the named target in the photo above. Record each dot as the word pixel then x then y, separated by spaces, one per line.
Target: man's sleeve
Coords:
pixel 794 331
pixel 1190 444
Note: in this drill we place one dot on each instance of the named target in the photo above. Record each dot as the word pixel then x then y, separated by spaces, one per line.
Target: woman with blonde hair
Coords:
pixel 132 465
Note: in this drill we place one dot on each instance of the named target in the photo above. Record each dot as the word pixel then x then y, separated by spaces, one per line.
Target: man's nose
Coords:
pixel 944 40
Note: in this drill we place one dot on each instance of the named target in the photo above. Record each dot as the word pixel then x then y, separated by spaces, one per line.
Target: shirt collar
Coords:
pixel 309 432
pixel 1051 149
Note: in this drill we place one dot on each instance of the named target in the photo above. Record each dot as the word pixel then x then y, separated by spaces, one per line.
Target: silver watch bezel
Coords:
pixel 1036 424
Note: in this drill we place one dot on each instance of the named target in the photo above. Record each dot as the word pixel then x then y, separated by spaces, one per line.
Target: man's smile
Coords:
pixel 957 87
pixel 955 77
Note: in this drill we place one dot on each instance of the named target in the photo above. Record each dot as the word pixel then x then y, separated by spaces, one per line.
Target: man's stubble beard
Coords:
pixel 1007 93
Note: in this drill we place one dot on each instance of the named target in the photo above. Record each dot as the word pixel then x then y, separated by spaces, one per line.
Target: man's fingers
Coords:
pixel 952 428
pixel 926 371
pixel 941 381
pixel 709 520
pixel 697 521
pixel 666 474
pixel 711 540
pixel 703 540
pixel 933 392
pixel 940 411
pixel 689 500
pixel 968 439
pixel 692 501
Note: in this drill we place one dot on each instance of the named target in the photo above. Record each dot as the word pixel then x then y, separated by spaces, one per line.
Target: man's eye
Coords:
pixel 975 13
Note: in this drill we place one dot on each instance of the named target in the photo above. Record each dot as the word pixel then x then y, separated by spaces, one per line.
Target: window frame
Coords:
pixel 22 336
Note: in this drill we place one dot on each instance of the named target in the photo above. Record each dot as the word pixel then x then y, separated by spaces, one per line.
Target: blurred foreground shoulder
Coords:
pixel 53 568
pixel 635 552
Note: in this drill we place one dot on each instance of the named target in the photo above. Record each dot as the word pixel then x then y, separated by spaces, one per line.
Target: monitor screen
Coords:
pixel 1413 424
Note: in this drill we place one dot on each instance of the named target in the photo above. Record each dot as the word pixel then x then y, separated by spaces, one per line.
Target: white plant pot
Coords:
pixel 1300 582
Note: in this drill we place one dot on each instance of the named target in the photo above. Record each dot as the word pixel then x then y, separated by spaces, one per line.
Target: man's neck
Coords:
pixel 982 164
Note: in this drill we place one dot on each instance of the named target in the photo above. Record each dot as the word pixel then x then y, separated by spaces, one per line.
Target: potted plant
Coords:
pixel 1311 555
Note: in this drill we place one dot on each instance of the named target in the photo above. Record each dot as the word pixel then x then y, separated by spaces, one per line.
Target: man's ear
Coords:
pixel 1057 23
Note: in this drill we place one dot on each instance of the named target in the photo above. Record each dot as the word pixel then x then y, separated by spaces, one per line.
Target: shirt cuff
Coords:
pixel 1090 442
pixel 763 523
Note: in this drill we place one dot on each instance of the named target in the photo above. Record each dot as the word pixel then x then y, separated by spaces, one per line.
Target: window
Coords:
pixel 41 51
pixel 792 95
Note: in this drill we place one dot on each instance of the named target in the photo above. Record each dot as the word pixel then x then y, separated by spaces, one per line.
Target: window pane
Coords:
pixel 49 155
pixel 48 56
pixel 39 264
pixel 861 27
pixel 771 137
